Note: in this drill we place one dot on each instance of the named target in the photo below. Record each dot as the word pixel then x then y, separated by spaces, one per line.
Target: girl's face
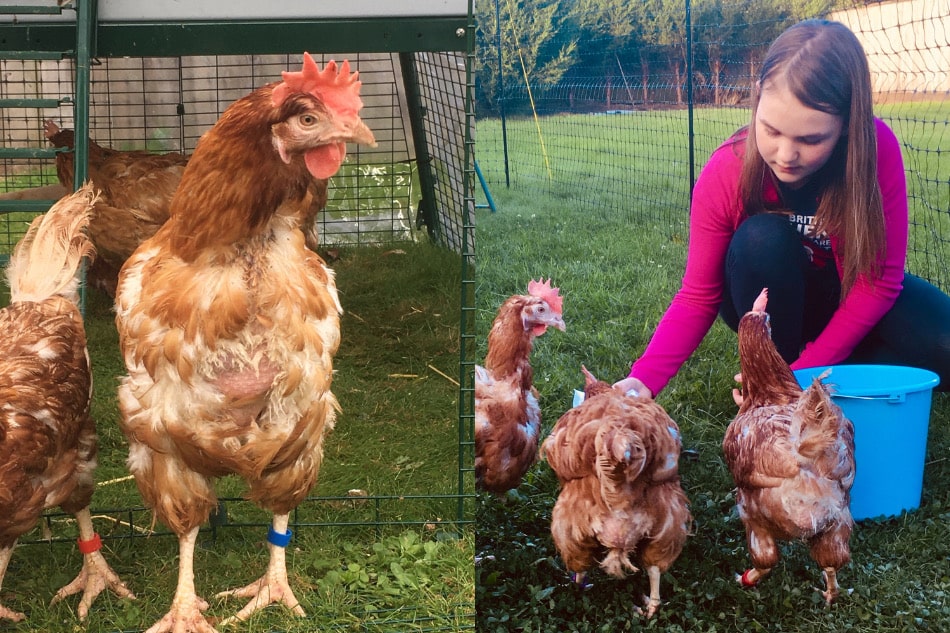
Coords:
pixel 794 140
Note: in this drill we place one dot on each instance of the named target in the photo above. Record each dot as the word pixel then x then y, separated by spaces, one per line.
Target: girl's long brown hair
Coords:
pixel 823 64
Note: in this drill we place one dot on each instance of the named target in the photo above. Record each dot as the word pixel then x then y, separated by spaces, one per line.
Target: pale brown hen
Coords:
pixel 136 189
pixel 507 413
pixel 48 439
pixel 791 455
pixel 616 457
pixel 229 324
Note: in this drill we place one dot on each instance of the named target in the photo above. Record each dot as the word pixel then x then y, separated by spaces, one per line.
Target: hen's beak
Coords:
pixel 360 133
pixel 540 325
pixel 551 320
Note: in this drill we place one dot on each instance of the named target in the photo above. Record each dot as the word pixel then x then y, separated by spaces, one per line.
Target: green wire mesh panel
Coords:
pixel 439 94
pixel 165 104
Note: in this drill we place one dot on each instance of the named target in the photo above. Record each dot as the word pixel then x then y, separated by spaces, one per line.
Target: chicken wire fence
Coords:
pixel 623 121
pixel 166 104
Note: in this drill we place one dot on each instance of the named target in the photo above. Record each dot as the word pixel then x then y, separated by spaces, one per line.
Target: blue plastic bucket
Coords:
pixel 890 409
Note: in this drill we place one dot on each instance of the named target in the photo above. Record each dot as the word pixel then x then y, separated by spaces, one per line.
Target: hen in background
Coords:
pixel 48 440
pixel 507 415
pixel 616 457
pixel 791 455
pixel 136 189
pixel 229 324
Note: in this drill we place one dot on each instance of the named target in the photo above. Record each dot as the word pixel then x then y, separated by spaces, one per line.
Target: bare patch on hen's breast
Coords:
pixel 246 386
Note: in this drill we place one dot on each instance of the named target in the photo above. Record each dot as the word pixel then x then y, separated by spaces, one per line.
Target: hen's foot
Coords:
pixel 184 618
pixel 268 590
pixel 95 576
pixel 8 614
pixel 830 594
pixel 652 605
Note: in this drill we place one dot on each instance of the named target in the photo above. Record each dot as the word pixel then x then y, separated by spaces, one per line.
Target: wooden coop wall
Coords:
pixel 166 103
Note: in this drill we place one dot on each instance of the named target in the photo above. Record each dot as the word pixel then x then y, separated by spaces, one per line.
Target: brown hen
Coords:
pixel 136 189
pixel 507 413
pixel 229 325
pixel 616 457
pixel 791 455
pixel 48 439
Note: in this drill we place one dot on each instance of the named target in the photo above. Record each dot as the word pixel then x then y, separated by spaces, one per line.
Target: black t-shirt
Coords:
pixel 803 203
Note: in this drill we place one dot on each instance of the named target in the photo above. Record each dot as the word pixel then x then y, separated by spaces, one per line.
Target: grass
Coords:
pixel 636 165
pixel 617 270
pixel 396 561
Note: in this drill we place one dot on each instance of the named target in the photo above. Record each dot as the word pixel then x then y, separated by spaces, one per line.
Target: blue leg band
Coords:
pixel 278 539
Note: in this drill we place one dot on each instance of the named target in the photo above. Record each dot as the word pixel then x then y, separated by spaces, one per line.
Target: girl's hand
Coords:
pixel 737 393
pixel 633 384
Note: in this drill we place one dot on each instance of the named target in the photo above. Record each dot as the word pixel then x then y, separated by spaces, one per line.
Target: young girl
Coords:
pixel 810 201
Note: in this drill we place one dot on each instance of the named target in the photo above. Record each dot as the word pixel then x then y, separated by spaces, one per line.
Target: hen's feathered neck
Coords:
pixel 766 377
pixel 509 343
pixel 235 180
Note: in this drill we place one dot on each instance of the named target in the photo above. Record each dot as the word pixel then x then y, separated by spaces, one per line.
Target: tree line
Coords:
pixel 629 50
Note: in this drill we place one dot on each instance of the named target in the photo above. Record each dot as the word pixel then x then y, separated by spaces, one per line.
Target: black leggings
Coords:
pixel 766 251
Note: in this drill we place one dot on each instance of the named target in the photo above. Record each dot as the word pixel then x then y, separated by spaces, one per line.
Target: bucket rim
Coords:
pixel 925 380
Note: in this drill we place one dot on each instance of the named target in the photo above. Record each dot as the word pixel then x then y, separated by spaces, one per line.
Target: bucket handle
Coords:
pixel 896 398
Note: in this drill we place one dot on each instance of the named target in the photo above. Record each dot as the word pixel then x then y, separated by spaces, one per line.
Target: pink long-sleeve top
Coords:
pixel 715 214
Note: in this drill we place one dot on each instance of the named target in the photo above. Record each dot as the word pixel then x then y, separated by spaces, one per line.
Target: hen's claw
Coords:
pixel 263 592
pixel 184 618
pixel 652 606
pixel 9 614
pixel 95 576
pixel 273 586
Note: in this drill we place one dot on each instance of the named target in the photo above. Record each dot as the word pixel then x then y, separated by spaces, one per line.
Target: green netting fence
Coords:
pixel 616 106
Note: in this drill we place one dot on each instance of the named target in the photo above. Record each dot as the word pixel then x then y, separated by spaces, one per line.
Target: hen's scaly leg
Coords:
pixel 8 614
pixel 764 553
pixel 184 616
pixel 653 602
pixel 751 577
pixel 96 574
pixel 273 586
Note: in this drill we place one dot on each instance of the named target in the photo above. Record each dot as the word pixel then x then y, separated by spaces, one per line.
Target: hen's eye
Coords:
pixel 308 119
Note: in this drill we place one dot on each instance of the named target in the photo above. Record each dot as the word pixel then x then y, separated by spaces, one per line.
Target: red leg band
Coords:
pixel 745 579
pixel 92 545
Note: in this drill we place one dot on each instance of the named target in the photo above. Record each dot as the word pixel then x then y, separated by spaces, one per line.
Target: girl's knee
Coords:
pixel 767 237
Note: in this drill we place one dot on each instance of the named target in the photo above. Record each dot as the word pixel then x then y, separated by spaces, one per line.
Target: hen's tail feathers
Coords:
pixel 45 261
pixel 819 418
pixel 621 457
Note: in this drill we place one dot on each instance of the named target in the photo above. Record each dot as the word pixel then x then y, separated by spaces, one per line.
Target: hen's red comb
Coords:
pixel 543 290
pixel 339 89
